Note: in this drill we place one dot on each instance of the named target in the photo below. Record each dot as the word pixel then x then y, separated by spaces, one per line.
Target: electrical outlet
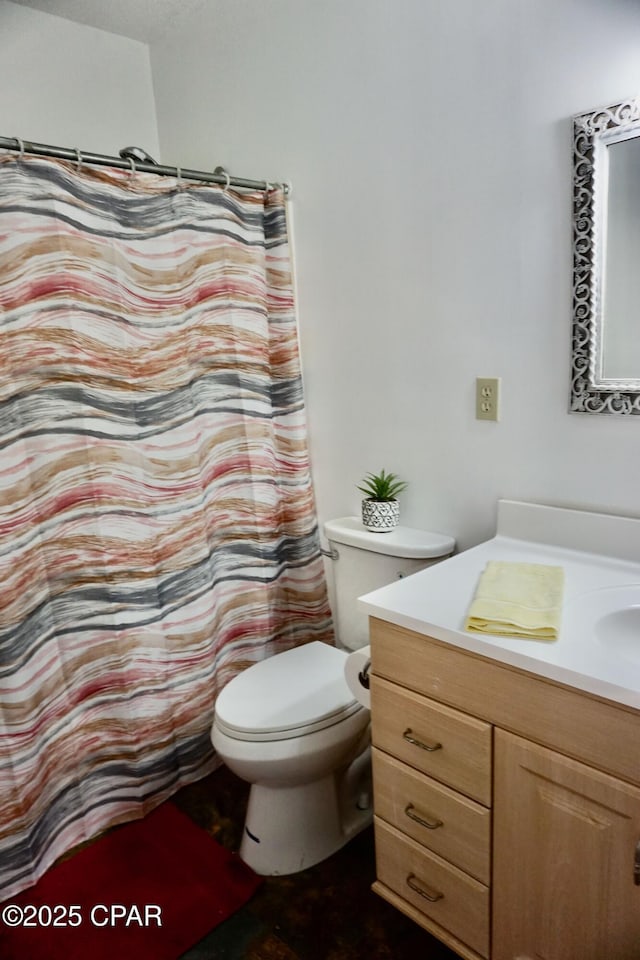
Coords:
pixel 487 398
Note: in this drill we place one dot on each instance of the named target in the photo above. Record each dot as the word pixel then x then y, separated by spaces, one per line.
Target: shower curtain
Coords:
pixel 157 521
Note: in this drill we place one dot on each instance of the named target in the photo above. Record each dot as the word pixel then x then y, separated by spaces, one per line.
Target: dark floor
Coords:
pixel 327 912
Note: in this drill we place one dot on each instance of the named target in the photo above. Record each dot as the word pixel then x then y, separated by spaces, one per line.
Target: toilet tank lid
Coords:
pixel 400 542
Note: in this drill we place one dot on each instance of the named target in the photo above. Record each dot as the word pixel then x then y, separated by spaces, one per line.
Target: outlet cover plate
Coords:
pixel 487 398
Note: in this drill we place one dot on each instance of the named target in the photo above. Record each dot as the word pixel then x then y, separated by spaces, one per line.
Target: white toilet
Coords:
pixel 292 728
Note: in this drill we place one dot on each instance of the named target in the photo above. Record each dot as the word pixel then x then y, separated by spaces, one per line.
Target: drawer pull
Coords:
pixel 431 895
pixel 431 747
pixel 429 824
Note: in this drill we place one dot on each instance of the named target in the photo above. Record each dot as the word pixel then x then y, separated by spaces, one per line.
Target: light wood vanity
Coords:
pixel 507 805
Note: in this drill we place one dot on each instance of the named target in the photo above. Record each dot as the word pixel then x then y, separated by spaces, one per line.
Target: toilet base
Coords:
pixel 290 828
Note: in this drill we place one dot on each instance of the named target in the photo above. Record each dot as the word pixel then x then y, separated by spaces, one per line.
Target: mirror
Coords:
pixel 606 260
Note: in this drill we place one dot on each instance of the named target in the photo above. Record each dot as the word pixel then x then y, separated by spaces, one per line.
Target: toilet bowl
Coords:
pixel 292 728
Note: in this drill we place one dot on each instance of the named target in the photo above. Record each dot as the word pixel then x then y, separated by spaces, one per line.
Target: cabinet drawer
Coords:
pixel 406 867
pixel 439 741
pixel 451 825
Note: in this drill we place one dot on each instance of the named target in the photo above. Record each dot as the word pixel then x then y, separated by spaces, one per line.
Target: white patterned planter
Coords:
pixel 380 516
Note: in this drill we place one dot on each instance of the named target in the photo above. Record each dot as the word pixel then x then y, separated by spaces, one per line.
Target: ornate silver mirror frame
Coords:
pixel 593 134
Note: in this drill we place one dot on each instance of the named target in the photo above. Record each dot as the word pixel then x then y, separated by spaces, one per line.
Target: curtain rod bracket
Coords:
pixel 137 154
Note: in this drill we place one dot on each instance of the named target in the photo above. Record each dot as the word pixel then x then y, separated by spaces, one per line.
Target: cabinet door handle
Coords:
pixel 426 892
pixel 429 824
pixel 431 747
pixel 636 865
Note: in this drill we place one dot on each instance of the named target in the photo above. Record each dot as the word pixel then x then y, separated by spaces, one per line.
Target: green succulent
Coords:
pixel 382 486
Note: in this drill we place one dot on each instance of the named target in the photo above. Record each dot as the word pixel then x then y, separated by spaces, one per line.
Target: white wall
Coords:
pixel 73 86
pixel 429 146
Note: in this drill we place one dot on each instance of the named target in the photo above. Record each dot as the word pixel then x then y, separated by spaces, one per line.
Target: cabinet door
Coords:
pixel 565 839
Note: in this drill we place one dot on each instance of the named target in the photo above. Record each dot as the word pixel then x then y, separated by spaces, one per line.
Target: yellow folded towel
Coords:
pixel 518 600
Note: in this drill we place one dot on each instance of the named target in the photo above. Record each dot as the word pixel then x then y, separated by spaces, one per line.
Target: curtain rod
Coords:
pixel 219 176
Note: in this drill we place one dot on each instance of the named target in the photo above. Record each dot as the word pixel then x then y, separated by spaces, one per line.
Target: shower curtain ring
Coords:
pixel 133 166
pixel 221 172
pixel 21 145
pixel 179 184
pixel 79 160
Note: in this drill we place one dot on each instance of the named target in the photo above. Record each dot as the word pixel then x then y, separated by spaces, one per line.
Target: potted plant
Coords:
pixel 380 508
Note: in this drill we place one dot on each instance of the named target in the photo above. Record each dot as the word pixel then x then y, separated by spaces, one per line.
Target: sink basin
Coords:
pixel 620 630
pixel 612 617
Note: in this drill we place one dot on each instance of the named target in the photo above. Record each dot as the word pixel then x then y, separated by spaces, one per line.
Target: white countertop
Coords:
pixel 435 600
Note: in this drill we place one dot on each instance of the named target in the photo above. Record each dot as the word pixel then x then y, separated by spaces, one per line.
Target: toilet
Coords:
pixel 292 727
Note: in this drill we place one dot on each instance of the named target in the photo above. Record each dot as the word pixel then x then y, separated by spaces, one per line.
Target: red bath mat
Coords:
pixel 147 891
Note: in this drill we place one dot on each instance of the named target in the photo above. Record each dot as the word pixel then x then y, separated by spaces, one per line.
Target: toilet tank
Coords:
pixel 362 561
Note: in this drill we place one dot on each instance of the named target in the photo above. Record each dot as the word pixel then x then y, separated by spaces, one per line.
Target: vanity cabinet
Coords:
pixel 507 807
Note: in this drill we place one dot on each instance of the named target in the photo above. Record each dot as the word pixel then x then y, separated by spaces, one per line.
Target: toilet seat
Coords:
pixel 288 695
